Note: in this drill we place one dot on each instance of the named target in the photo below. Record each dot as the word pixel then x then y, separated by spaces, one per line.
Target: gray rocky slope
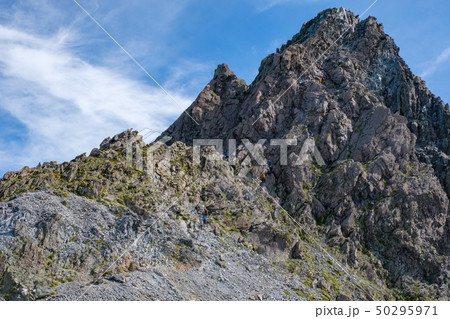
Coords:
pixel 371 223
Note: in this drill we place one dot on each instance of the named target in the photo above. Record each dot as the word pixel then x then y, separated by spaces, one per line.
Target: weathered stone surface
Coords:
pixel 381 132
pixel 381 197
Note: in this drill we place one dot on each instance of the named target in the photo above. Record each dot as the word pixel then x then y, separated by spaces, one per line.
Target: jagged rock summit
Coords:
pixel 372 222
pixel 382 133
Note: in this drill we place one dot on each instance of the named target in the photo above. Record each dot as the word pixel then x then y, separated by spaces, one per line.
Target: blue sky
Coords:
pixel 64 85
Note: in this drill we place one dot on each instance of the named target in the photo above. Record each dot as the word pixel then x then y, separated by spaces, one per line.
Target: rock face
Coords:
pixel 382 134
pixel 139 235
pixel 367 219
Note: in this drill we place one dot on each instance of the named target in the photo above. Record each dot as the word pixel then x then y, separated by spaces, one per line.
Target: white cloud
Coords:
pixel 67 104
pixel 433 66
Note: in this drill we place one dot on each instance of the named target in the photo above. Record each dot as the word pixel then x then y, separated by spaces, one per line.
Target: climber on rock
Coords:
pixel 263 177
pixel 269 169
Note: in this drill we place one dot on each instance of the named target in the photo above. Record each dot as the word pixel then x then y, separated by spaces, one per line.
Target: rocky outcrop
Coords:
pixel 70 241
pixel 215 107
pixel 357 209
pixel 381 133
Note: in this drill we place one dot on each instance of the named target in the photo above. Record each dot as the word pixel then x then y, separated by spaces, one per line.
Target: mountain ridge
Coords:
pixel 372 223
pixel 365 106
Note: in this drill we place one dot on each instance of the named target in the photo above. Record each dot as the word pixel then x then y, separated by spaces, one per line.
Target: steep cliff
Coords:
pixel 367 219
pixel 382 133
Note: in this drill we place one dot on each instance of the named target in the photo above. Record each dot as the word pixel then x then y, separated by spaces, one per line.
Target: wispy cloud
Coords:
pixel 68 104
pixel 433 66
pixel 67 86
pixel 181 76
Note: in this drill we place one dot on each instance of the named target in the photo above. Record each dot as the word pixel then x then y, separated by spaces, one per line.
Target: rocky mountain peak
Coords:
pixel 223 72
pixel 330 23
pixel 378 199
pixel 374 122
